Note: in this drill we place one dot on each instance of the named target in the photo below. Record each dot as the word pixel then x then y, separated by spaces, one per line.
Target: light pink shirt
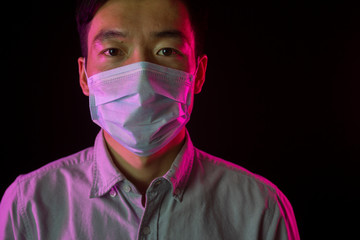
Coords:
pixel 84 196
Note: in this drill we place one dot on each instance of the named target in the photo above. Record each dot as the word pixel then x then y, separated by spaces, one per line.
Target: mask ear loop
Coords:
pixel 197 66
pixel 87 77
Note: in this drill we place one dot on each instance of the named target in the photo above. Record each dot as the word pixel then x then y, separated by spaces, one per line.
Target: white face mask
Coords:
pixel 143 106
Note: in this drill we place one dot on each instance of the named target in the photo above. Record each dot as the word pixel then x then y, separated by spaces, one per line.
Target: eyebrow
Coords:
pixel 108 34
pixel 176 34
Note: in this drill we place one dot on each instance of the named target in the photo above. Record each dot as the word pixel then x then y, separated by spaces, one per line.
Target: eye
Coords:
pixel 112 52
pixel 167 52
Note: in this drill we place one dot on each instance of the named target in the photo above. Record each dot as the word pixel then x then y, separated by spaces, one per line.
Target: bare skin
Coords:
pixel 158 31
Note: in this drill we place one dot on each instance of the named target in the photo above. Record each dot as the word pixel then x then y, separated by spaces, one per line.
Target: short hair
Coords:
pixel 197 9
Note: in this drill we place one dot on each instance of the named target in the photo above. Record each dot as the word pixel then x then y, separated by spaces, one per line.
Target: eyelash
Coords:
pixel 118 51
pixel 174 52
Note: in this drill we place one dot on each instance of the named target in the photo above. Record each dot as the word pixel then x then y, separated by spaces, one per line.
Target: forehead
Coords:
pixel 140 17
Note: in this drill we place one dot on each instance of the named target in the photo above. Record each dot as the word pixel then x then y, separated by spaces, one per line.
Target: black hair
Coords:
pixel 197 9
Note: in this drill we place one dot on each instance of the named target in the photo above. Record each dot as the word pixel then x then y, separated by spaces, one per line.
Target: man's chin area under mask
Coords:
pixel 171 149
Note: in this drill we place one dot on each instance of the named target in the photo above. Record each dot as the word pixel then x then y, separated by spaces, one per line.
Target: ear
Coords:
pixel 200 74
pixel 82 76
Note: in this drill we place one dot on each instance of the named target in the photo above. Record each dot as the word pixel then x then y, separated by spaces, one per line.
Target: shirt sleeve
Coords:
pixel 282 224
pixel 11 222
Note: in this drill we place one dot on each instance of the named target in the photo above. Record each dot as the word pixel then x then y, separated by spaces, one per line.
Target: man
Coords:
pixel 143 179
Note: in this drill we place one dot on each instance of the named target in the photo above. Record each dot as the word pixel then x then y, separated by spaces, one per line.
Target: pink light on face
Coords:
pixel 139 32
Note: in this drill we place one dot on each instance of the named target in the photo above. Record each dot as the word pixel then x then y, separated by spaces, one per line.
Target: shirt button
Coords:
pixel 127 188
pixel 112 193
pixel 146 230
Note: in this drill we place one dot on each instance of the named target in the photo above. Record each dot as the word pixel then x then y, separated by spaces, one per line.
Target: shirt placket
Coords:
pixel 133 197
pixel 148 228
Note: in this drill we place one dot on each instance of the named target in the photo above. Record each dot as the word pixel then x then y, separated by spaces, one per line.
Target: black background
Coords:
pixel 281 99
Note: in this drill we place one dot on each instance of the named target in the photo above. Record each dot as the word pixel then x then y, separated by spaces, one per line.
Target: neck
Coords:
pixel 141 171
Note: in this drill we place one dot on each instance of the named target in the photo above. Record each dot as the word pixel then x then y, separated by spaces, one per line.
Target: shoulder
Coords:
pixel 51 175
pixel 45 185
pixel 233 173
pixel 74 162
pixel 236 182
pixel 248 195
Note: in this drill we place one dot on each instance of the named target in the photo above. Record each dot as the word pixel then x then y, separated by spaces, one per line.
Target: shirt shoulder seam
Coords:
pixel 243 171
pixel 273 191
pixel 21 207
pixel 73 159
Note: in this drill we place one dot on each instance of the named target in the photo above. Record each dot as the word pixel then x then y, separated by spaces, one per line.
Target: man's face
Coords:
pixel 128 31
pixel 123 32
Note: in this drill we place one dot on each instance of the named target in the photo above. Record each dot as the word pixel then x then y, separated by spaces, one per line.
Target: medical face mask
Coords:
pixel 143 106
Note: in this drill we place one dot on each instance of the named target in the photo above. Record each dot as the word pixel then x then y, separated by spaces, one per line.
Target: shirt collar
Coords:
pixel 179 172
pixel 106 174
